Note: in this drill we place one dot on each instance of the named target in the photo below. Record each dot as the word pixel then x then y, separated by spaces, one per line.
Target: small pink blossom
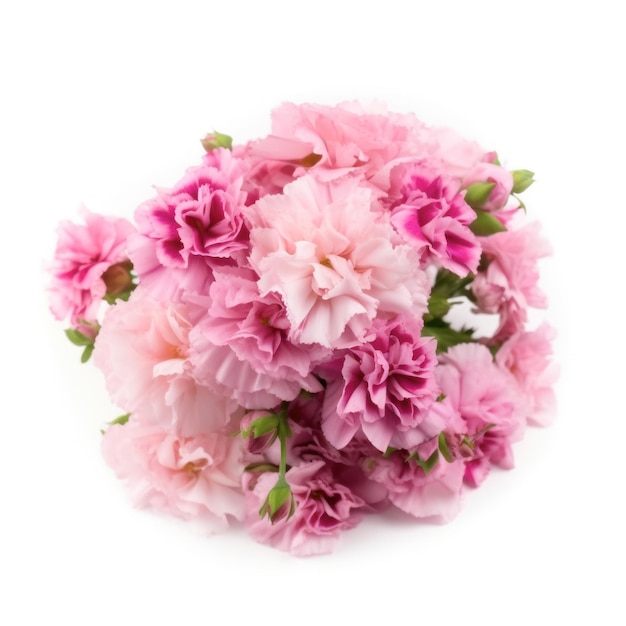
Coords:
pixel 194 478
pixel 386 388
pixel 142 350
pixel 324 508
pixel 321 248
pixel 429 213
pixel 527 355
pixel 90 261
pixel 509 284
pixel 489 401
pixel 197 225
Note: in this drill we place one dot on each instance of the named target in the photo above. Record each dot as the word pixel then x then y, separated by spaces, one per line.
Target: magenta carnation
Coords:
pixel 90 261
pixel 386 388
pixel 429 212
pixel 186 231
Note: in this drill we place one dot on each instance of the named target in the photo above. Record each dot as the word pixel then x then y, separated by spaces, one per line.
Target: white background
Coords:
pixel 99 101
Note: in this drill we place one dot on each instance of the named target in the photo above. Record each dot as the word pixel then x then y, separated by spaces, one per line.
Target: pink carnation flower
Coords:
pixel 88 262
pixel 142 350
pixel 509 284
pixel 386 388
pixel 324 508
pixel 435 496
pixel 194 478
pixel 349 137
pixel 186 231
pixel 321 248
pixel 429 212
pixel 241 344
pixel 489 401
pixel 527 355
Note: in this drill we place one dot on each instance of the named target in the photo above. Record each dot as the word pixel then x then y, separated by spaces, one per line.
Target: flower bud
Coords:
pixel 260 428
pixel 215 140
pixel 280 503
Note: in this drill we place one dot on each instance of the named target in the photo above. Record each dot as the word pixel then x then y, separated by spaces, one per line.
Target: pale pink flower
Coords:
pixel 321 248
pixel 435 496
pixel 194 478
pixel 142 350
pixel 429 212
pixel 241 344
pixel 88 262
pixel 197 225
pixel 324 508
pixel 527 355
pixel 509 284
pixel 386 388
pixel 489 401
pixel 349 137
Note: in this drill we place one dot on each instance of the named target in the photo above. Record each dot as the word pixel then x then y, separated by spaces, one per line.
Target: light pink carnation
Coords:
pixel 349 138
pixel 186 231
pixel 195 478
pixel 429 212
pixel 241 344
pixel 386 388
pixel 435 496
pixel 324 508
pixel 527 355
pixel 85 265
pixel 321 248
pixel 487 397
pixel 509 284
pixel 142 350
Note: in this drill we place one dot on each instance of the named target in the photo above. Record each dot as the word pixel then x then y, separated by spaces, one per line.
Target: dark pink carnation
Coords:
pixel 386 387
pixel 197 225
pixel 83 256
pixel 430 213
pixel 324 507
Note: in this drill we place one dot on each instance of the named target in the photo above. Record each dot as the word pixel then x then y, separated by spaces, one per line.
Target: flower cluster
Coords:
pixel 277 326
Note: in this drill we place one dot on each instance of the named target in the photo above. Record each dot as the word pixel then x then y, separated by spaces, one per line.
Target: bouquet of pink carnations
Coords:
pixel 295 331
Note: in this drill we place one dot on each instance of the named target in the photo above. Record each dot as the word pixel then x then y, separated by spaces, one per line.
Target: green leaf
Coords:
pixel 78 338
pixel 444 448
pixel 86 355
pixel 122 419
pixel 438 307
pixel 522 179
pixel 429 464
pixel 477 194
pixel 486 224
pixel 447 337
